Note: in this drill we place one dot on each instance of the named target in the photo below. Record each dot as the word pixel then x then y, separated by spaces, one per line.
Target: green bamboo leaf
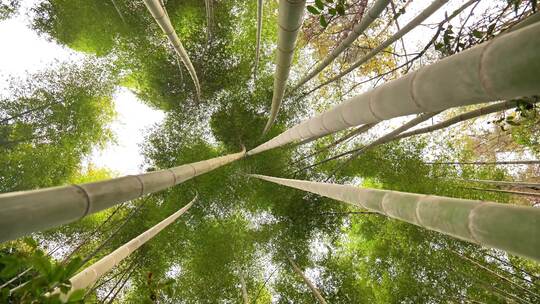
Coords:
pixel 313 10
pixel 319 4
pixel 323 21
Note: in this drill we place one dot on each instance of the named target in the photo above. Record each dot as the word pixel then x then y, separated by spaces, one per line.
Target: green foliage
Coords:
pixel 46 275
pixel 61 113
pixel 9 8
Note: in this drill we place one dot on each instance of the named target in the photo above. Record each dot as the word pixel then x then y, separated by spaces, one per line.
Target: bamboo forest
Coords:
pixel 270 151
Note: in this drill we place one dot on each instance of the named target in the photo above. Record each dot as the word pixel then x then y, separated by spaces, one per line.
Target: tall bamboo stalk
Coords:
pixel 245 297
pixel 25 212
pixel 357 30
pixel 483 163
pixel 308 282
pixel 504 105
pixel 92 273
pixel 407 28
pixel 162 19
pixel 470 77
pixel 379 141
pixel 507 227
pixel 517 184
pixel 521 193
pixel 291 16
pixel 260 6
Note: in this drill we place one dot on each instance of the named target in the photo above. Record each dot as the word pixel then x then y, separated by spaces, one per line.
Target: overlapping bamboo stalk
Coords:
pixel 25 212
pixel 92 273
pixel 357 30
pixel 473 76
pixel 162 19
pixel 507 227
pixel 407 28
pixel 291 16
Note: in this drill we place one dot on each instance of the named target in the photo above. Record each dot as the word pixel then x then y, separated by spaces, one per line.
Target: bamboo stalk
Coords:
pixel 473 76
pixel 505 105
pixel 260 6
pixel 503 183
pixel 245 297
pixel 357 30
pixel 381 140
pixel 482 163
pixel 407 28
pixel 291 15
pixel 25 212
pixel 308 282
pixel 160 15
pixel 521 193
pixel 507 227
pixel 92 273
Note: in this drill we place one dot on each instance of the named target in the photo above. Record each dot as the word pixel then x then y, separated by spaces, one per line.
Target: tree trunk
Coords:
pixel 162 19
pixel 92 273
pixel 482 163
pixel 452 82
pixel 244 288
pixel 357 30
pixel 521 193
pixel 25 212
pixel 505 105
pixel 360 130
pixel 311 286
pixel 291 16
pixel 507 227
pixel 503 183
pixel 407 28
pixel 381 140
pixel 260 6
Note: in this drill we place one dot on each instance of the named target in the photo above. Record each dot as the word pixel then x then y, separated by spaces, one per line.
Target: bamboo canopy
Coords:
pixel 291 16
pixel 162 19
pixel 357 30
pixel 502 226
pixel 24 212
pixel 92 273
pixel 473 76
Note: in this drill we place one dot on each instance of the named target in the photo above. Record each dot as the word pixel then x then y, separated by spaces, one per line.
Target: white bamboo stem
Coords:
pixel 503 68
pixel 245 297
pixel 260 6
pixel 502 226
pixel 291 16
pixel 314 290
pixel 162 19
pixel 407 28
pixel 92 273
pixel 24 212
pixel 357 30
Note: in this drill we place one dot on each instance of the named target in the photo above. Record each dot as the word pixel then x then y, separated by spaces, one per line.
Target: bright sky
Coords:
pixel 23 50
